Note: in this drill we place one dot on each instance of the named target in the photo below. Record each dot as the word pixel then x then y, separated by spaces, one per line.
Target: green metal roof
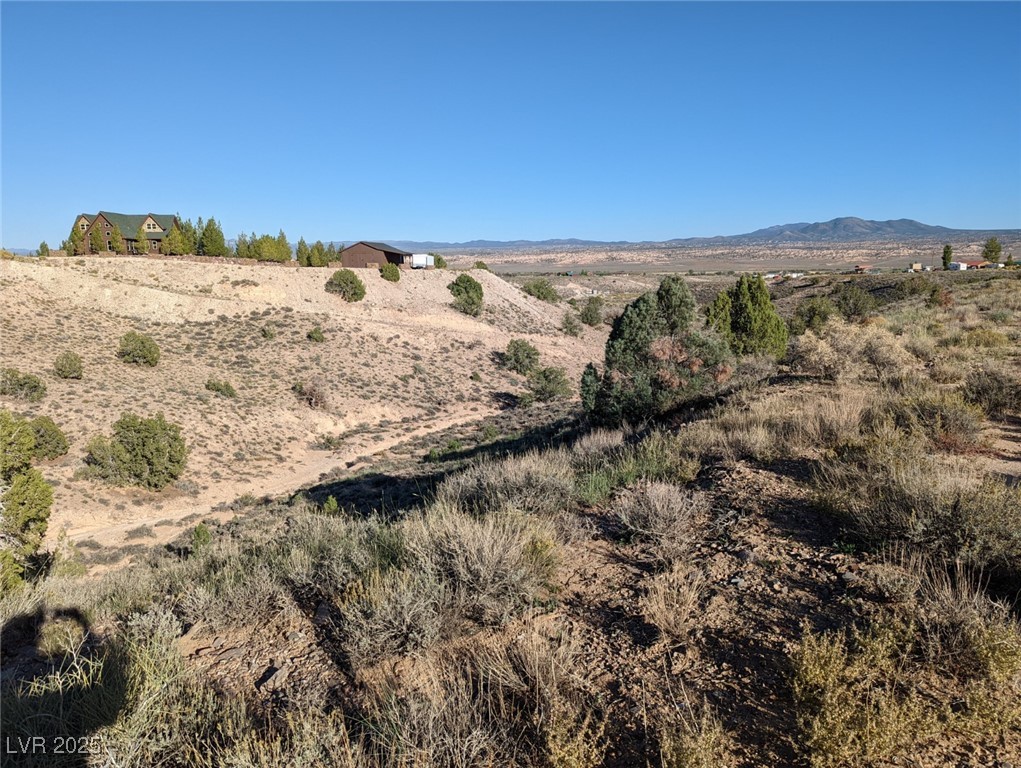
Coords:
pixel 128 223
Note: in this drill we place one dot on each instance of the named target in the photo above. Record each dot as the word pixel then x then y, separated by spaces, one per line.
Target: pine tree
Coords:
pixel 331 253
pixel 44 250
pixel 96 244
pixel 283 252
pixel 141 240
pixel 175 243
pixel 991 250
pixel 717 317
pixel 948 256
pixel 317 257
pixel 242 249
pixel 302 253
pixel 75 242
pixel 117 241
pixel 199 228
pixel 211 240
pixel 189 237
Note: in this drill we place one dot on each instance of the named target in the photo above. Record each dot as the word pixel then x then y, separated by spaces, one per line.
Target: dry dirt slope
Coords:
pixel 399 363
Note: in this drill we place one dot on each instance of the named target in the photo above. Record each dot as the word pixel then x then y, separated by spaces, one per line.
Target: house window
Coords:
pixel 82 226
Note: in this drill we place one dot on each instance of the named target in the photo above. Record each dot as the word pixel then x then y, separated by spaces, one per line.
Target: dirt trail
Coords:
pixel 304 470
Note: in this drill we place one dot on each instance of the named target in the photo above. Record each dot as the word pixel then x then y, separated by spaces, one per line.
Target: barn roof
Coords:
pixel 380 247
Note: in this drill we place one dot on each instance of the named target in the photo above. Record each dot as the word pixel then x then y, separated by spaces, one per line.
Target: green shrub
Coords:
pixel 146 452
pixel 811 315
pixel 744 315
pixel 21 386
pixel 201 537
pixel 548 384
pixel 268 331
pixel 592 313
pixel 390 272
pixel 316 335
pixel 439 261
pixel 520 357
pixel 467 292
pixel 17 444
pixel 541 288
pixel 50 442
pixel 25 499
pixel 222 388
pixel 853 302
pixel 481 265
pixel 570 325
pixel 347 284
pixel 984 337
pixel 68 365
pixel 138 349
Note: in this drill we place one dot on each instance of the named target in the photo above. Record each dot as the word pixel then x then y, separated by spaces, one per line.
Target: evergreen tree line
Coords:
pixel 205 238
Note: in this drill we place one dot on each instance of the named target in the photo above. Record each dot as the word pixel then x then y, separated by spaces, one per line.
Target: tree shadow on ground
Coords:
pixel 51 710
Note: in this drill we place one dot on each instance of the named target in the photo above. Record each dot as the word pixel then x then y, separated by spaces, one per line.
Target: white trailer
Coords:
pixel 422 261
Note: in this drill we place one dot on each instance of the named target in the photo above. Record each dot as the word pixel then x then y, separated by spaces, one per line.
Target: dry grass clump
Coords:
pixel 965 632
pixel 515 702
pixel 664 517
pixel 393 613
pixel 659 456
pixel 785 426
pixel 943 417
pixel 672 600
pixel 491 567
pixel 540 483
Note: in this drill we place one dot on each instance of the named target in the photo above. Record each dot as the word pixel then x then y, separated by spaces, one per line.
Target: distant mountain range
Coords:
pixel 842 230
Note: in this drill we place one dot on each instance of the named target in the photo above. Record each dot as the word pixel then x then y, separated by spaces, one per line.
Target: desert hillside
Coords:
pixel 398 364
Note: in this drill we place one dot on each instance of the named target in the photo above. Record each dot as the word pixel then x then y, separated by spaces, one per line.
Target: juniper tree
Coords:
pixel 746 318
pixel 654 361
pixel 948 256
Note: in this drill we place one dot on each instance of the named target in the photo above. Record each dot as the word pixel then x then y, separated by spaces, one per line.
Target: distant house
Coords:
pixel 957 266
pixel 865 269
pixel 916 266
pixel 366 254
pixel 155 225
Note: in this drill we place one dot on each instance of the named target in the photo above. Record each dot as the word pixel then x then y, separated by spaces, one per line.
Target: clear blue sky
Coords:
pixel 452 121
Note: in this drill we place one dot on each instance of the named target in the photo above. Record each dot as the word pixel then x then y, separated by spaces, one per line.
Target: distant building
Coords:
pixel 365 254
pixel 957 266
pixel 916 266
pixel 155 225
pixel 865 269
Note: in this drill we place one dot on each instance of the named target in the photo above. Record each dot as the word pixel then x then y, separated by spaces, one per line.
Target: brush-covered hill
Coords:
pixel 400 363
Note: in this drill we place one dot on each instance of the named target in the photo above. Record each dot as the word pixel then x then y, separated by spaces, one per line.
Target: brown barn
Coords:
pixel 365 254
